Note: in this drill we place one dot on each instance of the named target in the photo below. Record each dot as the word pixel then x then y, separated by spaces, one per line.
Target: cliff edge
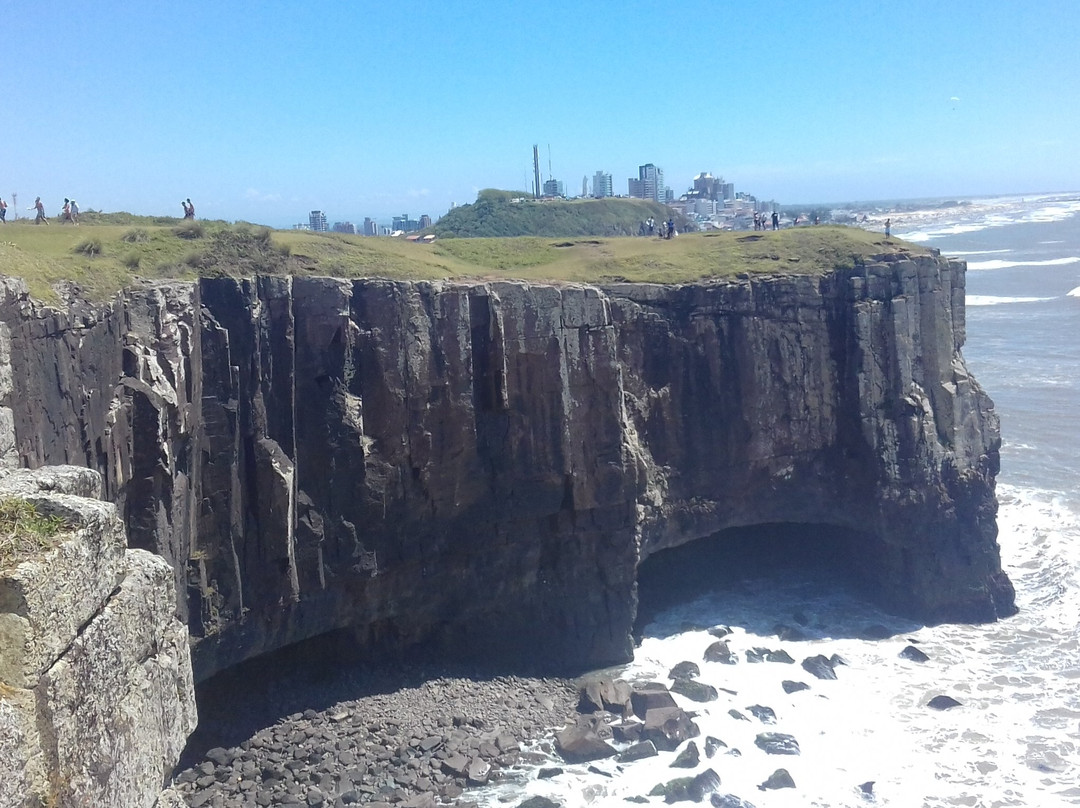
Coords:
pixel 480 468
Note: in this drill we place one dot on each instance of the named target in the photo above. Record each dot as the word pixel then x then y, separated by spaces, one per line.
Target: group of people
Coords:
pixel 649 228
pixel 761 221
pixel 70 212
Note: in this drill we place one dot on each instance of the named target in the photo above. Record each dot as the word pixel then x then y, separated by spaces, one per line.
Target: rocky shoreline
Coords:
pixel 420 742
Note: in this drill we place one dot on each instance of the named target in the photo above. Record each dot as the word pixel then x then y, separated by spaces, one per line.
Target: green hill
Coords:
pixel 504 213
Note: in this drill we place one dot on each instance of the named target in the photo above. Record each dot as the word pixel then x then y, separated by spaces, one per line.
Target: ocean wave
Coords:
pixel 992 300
pixel 975 215
pixel 1074 292
pixel 997 263
pixel 978 252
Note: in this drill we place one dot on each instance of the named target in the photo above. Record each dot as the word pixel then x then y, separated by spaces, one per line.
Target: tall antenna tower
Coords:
pixel 536 172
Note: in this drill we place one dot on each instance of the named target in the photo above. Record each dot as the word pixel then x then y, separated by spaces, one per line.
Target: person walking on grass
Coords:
pixel 3 212
pixel 40 210
pixel 74 212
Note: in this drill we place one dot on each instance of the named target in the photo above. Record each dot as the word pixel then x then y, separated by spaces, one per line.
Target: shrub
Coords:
pixel 90 247
pixel 131 261
pixel 136 236
pixel 24 532
pixel 190 230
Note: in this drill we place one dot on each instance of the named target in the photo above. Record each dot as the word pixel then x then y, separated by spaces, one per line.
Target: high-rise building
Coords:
pixel 601 185
pixel 317 220
pixel 344 227
pixel 425 221
pixel 553 188
pixel 649 184
pixel 370 228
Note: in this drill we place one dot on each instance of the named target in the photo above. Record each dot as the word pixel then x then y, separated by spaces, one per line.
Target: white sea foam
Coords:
pixel 979 252
pixel 975 215
pixel 1074 292
pixel 997 263
pixel 991 300
pixel 1013 742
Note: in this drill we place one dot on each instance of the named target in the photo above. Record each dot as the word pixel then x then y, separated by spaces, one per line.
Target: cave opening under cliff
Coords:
pixel 751 562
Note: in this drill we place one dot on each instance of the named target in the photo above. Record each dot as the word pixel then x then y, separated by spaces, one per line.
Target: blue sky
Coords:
pixel 264 111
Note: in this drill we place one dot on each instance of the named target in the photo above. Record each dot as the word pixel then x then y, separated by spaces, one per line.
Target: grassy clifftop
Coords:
pixel 102 258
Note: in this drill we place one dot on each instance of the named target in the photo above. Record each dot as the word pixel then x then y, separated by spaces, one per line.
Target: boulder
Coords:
pixel 694 690
pixel 720 652
pixel 688 758
pixel 913 654
pixel 765 715
pixel 578 744
pixel 820 666
pixel 943 703
pixel 778 779
pixel 711 745
pixel 650 696
pixel 668 728
pixel 637 751
pixel 793 687
pixel 777 743
pixel 684 670
pixel 728 801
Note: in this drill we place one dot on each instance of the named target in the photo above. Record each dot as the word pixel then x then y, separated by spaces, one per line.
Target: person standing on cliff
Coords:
pixel 888 228
pixel 775 220
pixel 189 209
pixel 3 212
pixel 40 210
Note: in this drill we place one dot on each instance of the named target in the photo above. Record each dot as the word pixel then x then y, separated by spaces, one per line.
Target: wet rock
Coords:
pixel 943 703
pixel 793 687
pixel 819 666
pixel 720 652
pixel 578 744
pixel 867 788
pixel 912 653
pixel 684 670
pixel 788 633
pixel 604 693
pixel 638 751
pixel 711 745
pixel 728 801
pixel 875 631
pixel 765 715
pixel 778 779
pixel 539 802
pixel 720 632
pixel 688 758
pixel 779 655
pixel 737 715
pixel 478 772
pixel 668 727
pixel 687 789
pixel 777 743
pixel 627 732
pixel 650 696
pixel 547 772
pixel 694 690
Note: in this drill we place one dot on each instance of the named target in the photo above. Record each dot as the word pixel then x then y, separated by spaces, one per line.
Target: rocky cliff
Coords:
pixel 96 692
pixel 482 468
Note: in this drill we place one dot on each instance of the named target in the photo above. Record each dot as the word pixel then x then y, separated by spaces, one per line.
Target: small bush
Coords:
pixel 136 236
pixel 131 261
pixel 190 230
pixel 90 247
pixel 24 532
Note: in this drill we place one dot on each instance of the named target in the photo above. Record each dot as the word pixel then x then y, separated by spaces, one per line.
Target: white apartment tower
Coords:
pixel 601 185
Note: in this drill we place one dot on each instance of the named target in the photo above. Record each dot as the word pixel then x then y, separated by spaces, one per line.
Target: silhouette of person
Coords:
pixel 3 212
pixel 888 228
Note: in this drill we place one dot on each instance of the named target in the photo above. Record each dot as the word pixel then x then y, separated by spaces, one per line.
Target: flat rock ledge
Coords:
pixel 412 746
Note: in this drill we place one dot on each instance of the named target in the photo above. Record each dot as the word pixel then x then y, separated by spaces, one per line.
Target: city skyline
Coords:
pixel 264 113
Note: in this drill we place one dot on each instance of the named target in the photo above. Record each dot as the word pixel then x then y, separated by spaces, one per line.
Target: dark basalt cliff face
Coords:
pixel 482 468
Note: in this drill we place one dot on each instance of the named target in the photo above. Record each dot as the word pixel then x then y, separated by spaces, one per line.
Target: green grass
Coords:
pixel 24 532
pixel 102 258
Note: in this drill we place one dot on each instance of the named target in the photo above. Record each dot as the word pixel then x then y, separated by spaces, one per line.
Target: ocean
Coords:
pixel 1015 738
